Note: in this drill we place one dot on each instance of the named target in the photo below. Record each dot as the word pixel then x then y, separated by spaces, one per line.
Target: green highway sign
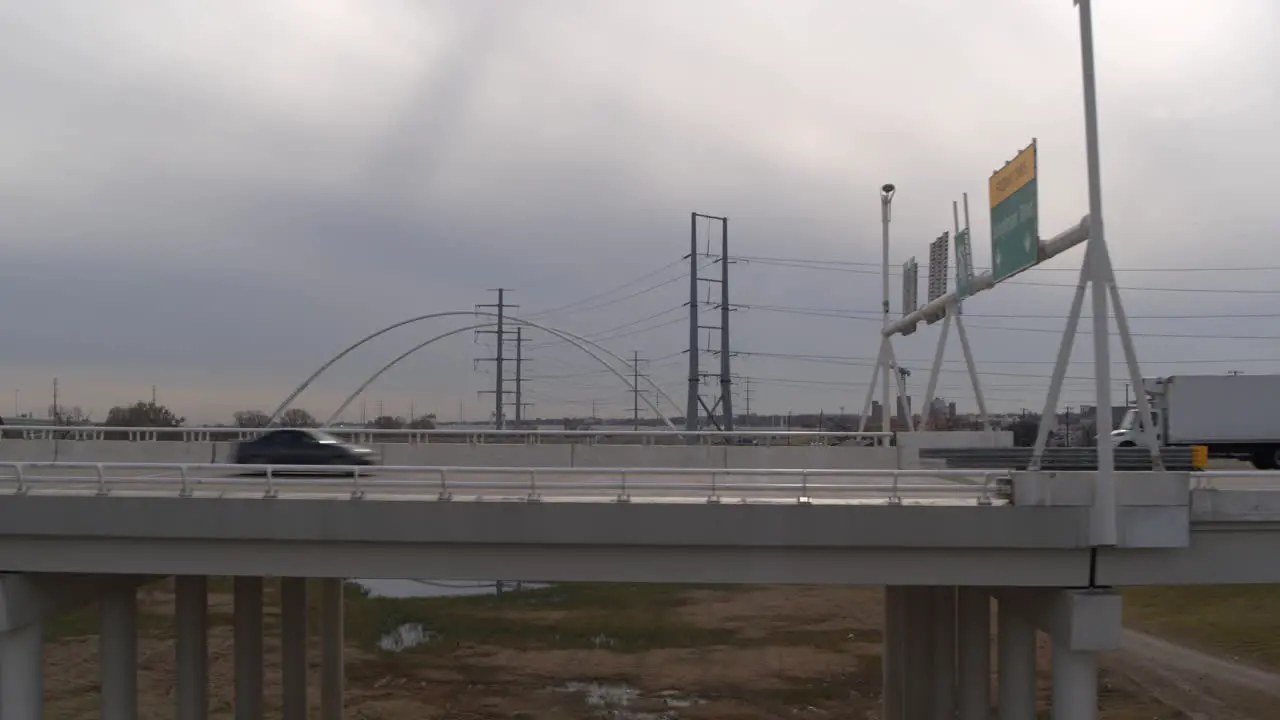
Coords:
pixel 1015 221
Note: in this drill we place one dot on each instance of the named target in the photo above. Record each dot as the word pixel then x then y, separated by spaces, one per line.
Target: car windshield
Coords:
pixel 324 437
pixel 1130 420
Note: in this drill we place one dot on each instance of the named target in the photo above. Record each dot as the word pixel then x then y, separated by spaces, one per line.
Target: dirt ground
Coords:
pixel 606 651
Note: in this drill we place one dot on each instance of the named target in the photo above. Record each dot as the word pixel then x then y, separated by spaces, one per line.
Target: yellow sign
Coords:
pixel 1014 176
pixel 1199 456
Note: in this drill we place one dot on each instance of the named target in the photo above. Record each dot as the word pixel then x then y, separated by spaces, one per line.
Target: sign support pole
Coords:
pixel 927 409
pixel 973 372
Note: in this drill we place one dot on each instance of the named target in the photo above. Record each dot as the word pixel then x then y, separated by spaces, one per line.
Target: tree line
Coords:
pixel 150 414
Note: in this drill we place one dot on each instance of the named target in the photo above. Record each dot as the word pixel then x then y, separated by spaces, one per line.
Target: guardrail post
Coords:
pixel 21 479
pixel 186 489
pixel 271 485
pixel 623 495
pixel 985 497
pixel 102 481
pixel 714 497
pixel 357 492
pixel 533 487
pixel 445 495
pixel 804 498
pixel 895 498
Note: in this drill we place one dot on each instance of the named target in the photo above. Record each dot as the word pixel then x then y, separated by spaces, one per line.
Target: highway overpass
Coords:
pixel 945 543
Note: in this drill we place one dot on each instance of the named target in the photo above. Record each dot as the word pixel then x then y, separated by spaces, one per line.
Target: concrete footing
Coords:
pixel 938 651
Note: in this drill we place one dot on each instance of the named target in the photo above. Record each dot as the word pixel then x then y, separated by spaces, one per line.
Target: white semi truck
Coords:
pixel 1232 415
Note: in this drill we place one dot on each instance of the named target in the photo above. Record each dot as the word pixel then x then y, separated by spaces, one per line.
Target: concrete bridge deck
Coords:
pixel 944 543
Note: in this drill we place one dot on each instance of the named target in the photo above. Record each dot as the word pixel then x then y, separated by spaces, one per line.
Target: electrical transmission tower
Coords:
pixel 723 403
pixel 518 405
pixel 635 388
pixel 499 394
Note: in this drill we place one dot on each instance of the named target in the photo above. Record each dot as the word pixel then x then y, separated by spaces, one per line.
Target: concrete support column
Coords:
pixel 22 673
pixel 892 653
pixel 118 654
pixel 293 648
pixel 1075 683
pixel 192 645
pixel 1017 663
pixel 918 682
pixel 247 629
pixel 944 653
pixel 973 617
pixel 331 647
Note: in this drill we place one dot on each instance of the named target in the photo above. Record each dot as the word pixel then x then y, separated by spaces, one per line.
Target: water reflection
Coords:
pixel 623 702
pixel 407 636
pixel 442 588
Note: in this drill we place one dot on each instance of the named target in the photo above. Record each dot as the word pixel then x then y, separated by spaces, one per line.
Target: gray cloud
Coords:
pixel 214 199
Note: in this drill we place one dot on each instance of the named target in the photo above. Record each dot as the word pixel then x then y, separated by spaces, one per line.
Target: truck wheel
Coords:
pixel 1265 459
pixel 1128 444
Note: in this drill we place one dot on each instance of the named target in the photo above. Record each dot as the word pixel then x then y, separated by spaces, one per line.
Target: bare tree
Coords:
pixel 250 418
pixel 143 414
pixel 297 418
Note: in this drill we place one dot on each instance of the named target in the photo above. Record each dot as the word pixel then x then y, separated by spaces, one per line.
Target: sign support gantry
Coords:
pixel 964 280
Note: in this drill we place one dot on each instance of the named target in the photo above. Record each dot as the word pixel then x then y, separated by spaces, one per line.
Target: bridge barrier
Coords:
pixel 490 454
pixel 927 439
pixel 111 451
pixel 512 484
pixel 658 456
pixel 817 457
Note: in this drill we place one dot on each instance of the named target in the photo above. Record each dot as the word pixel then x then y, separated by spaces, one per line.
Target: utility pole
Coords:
pixel 691 411
pixel 519 403
pixel 55 412
pixel 726 380
pixel 635 389
pixel 153 394
pixel 499 399
pixel 746 387
pixel 724 402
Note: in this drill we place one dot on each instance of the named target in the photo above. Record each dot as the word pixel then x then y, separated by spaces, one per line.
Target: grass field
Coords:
pixel 1240 622
pixel 570 651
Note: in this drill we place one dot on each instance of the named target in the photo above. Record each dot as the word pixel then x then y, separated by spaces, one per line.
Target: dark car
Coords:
pixel 296 446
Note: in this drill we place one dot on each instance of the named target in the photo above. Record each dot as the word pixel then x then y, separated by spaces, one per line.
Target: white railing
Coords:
pixel 504 483
pixel 472 436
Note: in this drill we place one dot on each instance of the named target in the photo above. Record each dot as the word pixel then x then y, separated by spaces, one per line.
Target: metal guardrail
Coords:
pixel 472 436
pixel 1017 458
pixel 505 483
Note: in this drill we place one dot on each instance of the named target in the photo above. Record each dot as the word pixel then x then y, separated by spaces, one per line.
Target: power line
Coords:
pixel 863 360
pixel 1056 331
pixel 804 265
pixel 594 335
pixel 651 288
pixel 859 314
pixel 876 266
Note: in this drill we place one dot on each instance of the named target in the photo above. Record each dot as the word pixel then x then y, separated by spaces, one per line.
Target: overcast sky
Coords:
pixel 213 198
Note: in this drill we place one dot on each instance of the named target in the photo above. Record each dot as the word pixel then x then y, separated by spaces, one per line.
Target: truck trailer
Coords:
pixel 1236 416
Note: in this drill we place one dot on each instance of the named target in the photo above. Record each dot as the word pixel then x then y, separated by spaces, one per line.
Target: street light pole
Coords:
pixel 886 216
